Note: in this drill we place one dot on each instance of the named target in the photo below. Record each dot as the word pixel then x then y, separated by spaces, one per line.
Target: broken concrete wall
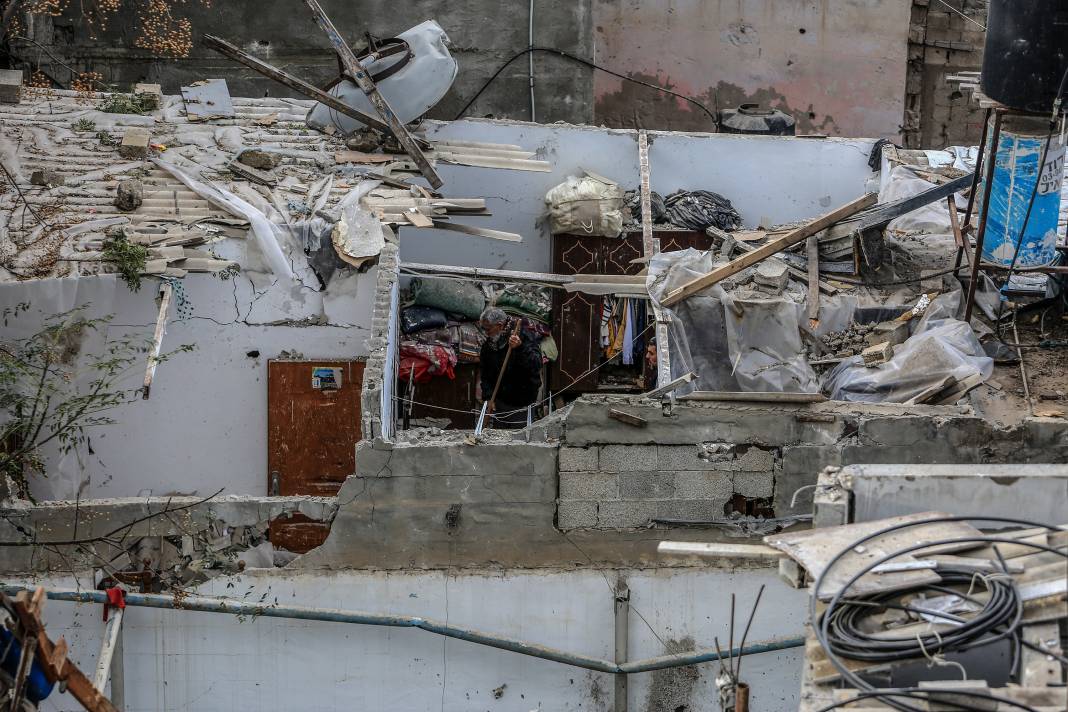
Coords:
pixel 623 486
pixel 181 660
pixel 378 373
pixel 753 172
pixel 837 67
pixel 283 33
pixel 205 425
pixel 799 441
pixel 943 42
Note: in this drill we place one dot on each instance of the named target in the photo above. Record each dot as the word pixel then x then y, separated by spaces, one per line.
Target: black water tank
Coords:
pixel 1026 52
pixel 751 119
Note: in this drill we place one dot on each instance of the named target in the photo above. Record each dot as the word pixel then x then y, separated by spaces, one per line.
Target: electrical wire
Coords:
pixel 822 629
pixel 587 63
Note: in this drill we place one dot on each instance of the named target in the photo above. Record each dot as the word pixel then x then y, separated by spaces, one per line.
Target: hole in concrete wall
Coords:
pixel 801 30
pixel 254 353
pixel 263 43
pixel 749 506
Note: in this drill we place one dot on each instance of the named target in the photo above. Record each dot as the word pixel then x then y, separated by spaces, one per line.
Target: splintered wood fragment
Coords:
pixel 628 418
pixel 165 290
pixel 361 157
pixel 478 231
pixel 299 85
pixel 767 250
pixel 417 218
pixel 718 551
pixel 813 249
pixel 358 74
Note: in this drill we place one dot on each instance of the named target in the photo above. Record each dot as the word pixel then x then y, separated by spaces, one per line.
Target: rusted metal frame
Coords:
pixel 53 656
pixel 958 236
pixel 358 74
pixel 299 85
pixel 973 280
pixel 975 176
pixel 651 247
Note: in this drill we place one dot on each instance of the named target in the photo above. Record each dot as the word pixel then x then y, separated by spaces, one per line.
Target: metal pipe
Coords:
pixel 741 697
pixel 973 279
pixel 530 59
pixel 622 610
pixel 209 604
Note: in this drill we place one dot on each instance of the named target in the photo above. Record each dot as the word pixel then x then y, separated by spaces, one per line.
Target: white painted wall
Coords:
pixel 783 179
pixel 207 662
pixel 205 425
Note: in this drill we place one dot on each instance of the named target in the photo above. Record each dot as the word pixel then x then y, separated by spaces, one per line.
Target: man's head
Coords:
pixel 493 321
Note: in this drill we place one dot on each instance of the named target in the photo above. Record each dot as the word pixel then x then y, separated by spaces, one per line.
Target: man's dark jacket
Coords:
pixel 522 377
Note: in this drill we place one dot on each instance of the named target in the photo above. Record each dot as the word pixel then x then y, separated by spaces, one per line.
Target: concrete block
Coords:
pixel 696 510
pixel 578 459
pixel 10 86
pixel 772 275
pixel 753 484
pixel 628 458
pixel 754 459
pixel 576 515
pixel 134 143
pixel 809 459
pixel 47 178
pixel 130 195
pixel 625 515
pixel 598 486
pixel 151 95
pixel 703 485
pixel 646 485
pixel 687 457
pixel 895 332
pixel 877 354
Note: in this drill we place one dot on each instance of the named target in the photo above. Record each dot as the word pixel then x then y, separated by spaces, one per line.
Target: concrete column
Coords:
pixel 622 600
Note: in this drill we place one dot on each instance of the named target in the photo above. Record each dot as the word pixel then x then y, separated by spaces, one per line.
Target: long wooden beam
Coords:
pixel 767 250
pixel 298 85
pixel 355 71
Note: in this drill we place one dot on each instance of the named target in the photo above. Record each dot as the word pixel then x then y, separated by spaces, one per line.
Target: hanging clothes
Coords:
pixel 628 333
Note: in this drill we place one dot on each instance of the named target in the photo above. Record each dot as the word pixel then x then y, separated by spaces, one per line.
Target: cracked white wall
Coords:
pixel 205 425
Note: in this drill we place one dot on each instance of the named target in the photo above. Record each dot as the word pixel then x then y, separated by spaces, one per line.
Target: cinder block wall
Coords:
pixel 621 486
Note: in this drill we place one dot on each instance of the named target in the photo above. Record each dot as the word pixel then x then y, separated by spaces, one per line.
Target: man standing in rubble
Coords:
pixel 521 382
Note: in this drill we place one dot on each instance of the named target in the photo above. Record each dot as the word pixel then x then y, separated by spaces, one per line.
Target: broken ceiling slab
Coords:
pixel 208 99
pixel 814 549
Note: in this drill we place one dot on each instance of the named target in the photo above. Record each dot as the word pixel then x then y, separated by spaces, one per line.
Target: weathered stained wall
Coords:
pixel 484 35
pixel 177 660
pixel 757 173
pixel 205 425
pixel 837 66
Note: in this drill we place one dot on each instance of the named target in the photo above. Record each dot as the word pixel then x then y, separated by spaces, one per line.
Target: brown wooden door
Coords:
pixel 313 425
pixel 576 326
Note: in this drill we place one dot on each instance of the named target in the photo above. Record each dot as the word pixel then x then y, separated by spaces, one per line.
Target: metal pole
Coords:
pixel 741 697
pixel 984 212
pixel 210 604
pixel 622 601
pixel 118 680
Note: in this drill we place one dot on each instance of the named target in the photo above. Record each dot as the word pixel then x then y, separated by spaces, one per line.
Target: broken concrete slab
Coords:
pixel 151 95
pixel 877 354
pixel 47 178
pixel 10 86
pixel 129 195
pixel 134 142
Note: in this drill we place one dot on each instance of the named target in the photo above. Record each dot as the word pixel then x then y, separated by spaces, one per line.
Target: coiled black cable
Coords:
pixel 893 697
pixel 847 637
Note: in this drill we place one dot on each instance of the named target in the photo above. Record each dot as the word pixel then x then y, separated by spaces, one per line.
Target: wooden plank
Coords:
pixel 478 231
pixel 670 386
pixel 651 247
pixel 767 250
pixel 755 396
pixel 628 418
pixel 165 290
pixel 299 85
pixel 358 74
pixel 813 249
pixel 708 550
pixel 108 648
pixel 1038 669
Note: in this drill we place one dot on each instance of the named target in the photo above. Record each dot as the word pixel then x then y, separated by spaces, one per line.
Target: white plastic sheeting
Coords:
pixel 411 92
pixel 732 343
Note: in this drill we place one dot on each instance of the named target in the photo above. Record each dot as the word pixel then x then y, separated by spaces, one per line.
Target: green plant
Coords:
pixel 84 124
pixel 107 139
pixel 128 257
pixel 52 393
pixel 124 104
